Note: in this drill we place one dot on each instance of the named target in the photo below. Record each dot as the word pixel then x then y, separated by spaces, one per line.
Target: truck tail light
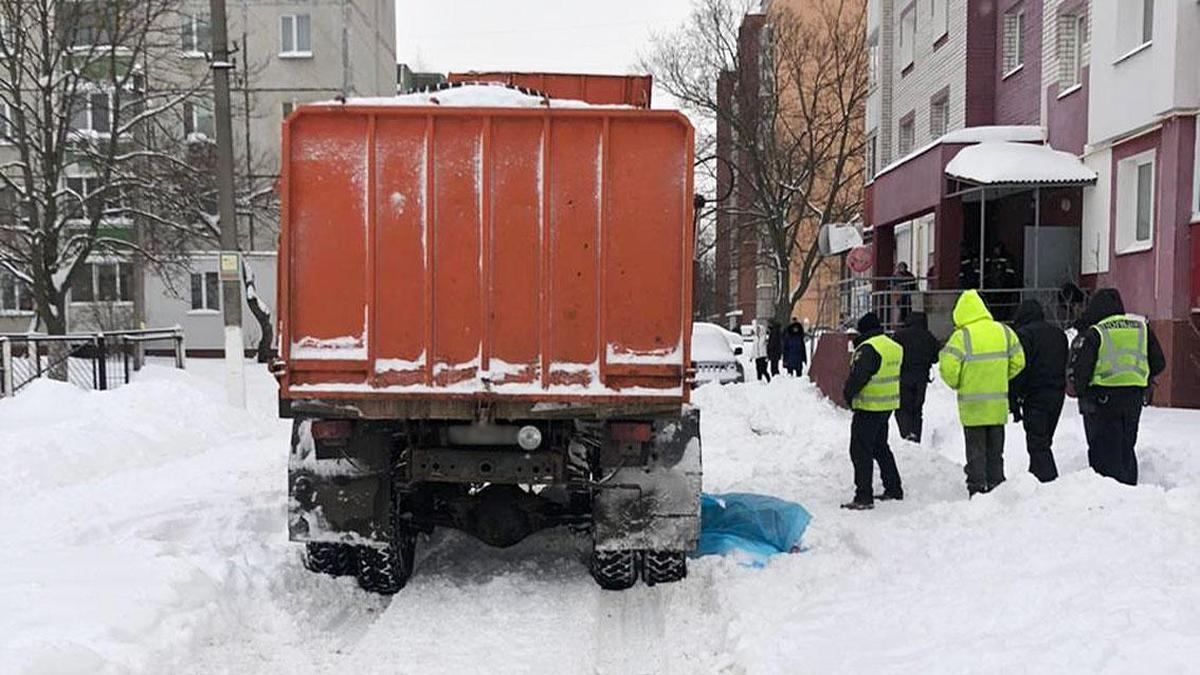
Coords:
pixel 631 432
pixel 332 430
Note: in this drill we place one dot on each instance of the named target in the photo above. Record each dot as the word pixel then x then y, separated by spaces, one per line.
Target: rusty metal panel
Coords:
pixel 631 90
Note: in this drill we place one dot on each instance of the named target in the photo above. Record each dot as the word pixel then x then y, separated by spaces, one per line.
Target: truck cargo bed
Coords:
pixel 486 253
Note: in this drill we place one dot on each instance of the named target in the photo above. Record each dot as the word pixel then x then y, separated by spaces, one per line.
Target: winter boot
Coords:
pixel 890 496
pixel 856 505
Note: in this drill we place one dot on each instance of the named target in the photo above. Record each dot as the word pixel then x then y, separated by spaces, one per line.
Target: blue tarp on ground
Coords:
pixel 753 527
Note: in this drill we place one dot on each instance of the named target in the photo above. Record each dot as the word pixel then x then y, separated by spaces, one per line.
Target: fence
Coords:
pixel 92 361
pixel 893 298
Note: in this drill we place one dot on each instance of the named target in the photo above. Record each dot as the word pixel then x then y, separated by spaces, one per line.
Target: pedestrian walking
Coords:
pixel 873 391
pixel 774 346
pixel 1113 362
pixel 978 361
pixel 795 352
pixel 920 353
pixel 758 352
pixel 1036 394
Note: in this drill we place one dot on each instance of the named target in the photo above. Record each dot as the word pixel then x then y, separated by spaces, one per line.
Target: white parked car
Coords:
pixel 714 354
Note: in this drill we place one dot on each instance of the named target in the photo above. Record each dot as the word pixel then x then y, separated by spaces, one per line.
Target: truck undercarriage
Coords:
pixel 362 490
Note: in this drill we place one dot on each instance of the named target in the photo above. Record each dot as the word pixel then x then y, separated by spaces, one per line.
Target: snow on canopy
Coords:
pixel 969 135
pixel 995 163
pixel 473 95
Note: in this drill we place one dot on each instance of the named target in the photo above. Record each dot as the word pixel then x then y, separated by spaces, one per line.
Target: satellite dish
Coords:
pixel 837 238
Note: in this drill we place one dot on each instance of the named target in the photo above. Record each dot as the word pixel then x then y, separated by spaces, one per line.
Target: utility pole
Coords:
pixel 230 263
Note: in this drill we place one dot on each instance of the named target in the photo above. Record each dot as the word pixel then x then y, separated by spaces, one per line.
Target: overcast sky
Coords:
pixel 602 36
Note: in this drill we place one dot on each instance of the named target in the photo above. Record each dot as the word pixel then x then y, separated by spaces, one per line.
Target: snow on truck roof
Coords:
pixel 474 95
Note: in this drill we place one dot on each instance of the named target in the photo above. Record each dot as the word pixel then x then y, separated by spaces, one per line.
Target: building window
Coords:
pixel 1072 35
pixel 939 13
pixel 295 35
pixel 288 107
pixel 103 282
pixel 1135 24
pixel 198 121
pixel 6 126
pixel 1147 21
pixel 908 33
pixel 15 295
pixel 873 63
pixel 906 135
pixel 92 114
pixel 87 191
pixel 195 37
pixel 872 157
pixel 206 291
pixel 1135 203
pixel 939 115
pixel 1014 48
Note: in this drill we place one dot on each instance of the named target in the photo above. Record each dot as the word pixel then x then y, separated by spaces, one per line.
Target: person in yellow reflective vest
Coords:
pixel 1113 362
pixel 977 362
pixel 872 391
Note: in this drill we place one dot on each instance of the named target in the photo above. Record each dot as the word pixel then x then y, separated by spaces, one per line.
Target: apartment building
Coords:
pixel 285 53
pixel 1114 83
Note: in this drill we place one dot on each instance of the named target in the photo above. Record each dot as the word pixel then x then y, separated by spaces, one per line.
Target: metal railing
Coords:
pixel 892 299
pixel 98 361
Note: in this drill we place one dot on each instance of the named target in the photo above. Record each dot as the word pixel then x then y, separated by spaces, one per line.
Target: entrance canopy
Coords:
pixel 1004 164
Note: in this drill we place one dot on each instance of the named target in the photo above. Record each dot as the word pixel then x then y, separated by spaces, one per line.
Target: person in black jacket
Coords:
pixel 774 346
pixel 795 353
pixel 1111 411
pixel 920 353
pixel 869 428
pixel 1036 394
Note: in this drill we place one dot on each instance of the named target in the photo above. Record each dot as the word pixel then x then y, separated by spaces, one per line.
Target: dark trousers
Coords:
pixel 1111 435
pixel 761 366
pixel 775 365
pixel 910 417
pixel 869 444
pixel 1041 410
pixel 985 457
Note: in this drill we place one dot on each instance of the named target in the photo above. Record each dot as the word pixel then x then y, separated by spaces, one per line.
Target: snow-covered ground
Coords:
pixel 144 532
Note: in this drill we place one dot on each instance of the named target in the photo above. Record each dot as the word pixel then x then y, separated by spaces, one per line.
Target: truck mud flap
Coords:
pixel 653 504
pixel 336 499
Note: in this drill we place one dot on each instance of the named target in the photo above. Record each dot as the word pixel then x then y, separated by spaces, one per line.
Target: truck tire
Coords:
pixel 332 559
pixel 615 570
pixel 663 567
pixel 387 570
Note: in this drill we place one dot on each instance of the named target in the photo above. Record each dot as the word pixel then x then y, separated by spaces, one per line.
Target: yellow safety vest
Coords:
pixel 978 361
pixel 1123 359
pixel 882 392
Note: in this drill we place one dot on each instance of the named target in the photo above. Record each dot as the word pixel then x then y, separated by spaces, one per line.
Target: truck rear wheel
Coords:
pixel 615 570
pixel 387 570
pixel 332 559
pixel 662 567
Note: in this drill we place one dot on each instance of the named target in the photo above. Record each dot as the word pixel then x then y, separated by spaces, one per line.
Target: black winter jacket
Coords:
pixel 864 366
pixel 774 342
pixel 920 349
pixel 1086 348
pixel 1045 348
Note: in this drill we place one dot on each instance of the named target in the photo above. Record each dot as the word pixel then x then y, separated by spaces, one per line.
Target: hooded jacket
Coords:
pixel 1045 348
pixel 920 349
pixel 866 360
pixel 794 351
pixel 978 361
pixel 774 342
pixel 1084 352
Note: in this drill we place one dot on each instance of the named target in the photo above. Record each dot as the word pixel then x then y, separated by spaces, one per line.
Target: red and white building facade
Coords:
pixel 1115 83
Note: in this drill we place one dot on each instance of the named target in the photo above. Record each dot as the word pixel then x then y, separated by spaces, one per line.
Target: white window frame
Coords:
pixel 289 29
pixel 192 21
pixel 191 122
pixel 939 18
pixel 1127 202
pixel 907 51
pixel 907 122
pixel 5 124
pixel 91 272
pixel 90 114
pixel 1196 176
pixel 21 290
pixel 872 156
pixel 1134 35
pixel 1070 61
pixel 208 305
pixel 1013 62
pixel 942 102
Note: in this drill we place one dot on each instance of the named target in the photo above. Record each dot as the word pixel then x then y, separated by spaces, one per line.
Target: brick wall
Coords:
pixel 1018 94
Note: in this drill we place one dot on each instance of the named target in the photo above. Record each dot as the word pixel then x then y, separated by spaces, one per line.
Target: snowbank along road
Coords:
pixel 145 532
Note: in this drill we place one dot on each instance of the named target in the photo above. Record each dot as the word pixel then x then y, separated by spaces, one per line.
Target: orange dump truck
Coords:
pixel 485 325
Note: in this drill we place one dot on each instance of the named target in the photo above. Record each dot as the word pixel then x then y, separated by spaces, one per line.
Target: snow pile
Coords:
pixel 969 135
pixel 997 162
pixel 145 532
pixel 475 95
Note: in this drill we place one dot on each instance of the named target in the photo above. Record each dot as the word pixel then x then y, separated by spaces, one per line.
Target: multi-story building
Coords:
pixel 747 285
pixel 1114 83
pixel 285 54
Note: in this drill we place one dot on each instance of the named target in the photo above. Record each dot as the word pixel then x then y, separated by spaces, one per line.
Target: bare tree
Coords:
pixel 796 118
pixel 93 146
